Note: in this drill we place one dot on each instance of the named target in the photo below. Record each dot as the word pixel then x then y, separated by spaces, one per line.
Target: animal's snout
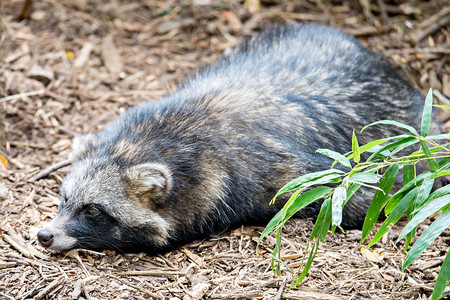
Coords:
pixel 45 238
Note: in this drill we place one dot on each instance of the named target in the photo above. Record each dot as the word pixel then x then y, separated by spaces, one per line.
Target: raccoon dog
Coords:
pixel 212 155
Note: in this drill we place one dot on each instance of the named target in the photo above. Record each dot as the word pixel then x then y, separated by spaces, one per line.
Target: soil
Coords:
pixel 69 67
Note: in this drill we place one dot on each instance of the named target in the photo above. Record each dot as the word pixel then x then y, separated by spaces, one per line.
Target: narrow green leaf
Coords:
pixel 395 123
pixel 440 192
pixel 271 226
pixel 444 163
pixel 441 173
pixel 379 151
pixel 426 116
pixel 290 202
pixel 312 254
pixel 306 199
pixel 396 214
pixel 328 179
pixel 367 185
pixel 442 279
pixel 355 148
pixel 372 144
pixel 431 161
pixel 444 136
pixel 404 146
pixel 426 211
pixel 292 207
pixel 298 182
pixel 432 149
pixel 424 190
pixel 280 262
pixel 398 143
pixel 351 191
pixel 408 239
pixel 409 172
pixel 379 200
pixel 395 199
pixel 441 106
pixel 323 221
pixel 277 253
pixel 409 216
pixel 365 177
pixel 336 156
pixel 339 195
pixel 427 237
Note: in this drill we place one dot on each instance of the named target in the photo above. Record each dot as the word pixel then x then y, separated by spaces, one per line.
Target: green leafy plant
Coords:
pixel 415 198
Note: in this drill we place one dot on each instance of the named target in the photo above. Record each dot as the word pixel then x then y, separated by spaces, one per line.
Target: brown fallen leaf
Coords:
pixel 252 6
pixel 3 192
pixel 372 255
pixel 3 161
pixel 446 85
pixel 43 74
pixel 83 56
pixel 111 57
pixel 232 21
pixel 197 292
pixel 194 257
pixel 27 8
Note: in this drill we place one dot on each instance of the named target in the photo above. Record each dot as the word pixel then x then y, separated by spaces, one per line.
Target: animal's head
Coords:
pixel 109 203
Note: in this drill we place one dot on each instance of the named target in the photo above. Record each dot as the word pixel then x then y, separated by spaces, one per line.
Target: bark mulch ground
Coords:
pixel 71 66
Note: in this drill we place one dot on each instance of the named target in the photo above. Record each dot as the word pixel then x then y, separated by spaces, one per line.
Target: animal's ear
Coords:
pixel 152 178
pixel 83 146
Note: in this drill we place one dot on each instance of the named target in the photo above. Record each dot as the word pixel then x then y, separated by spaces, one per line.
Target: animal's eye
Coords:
pixel 92 211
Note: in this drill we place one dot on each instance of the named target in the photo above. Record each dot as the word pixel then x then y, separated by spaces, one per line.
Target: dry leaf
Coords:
pixel 198 291
pixel 252 6
pixel 42 74
pixel 3 161
pixel 111 57
pixel 3 192
pixel 372 255
pixel 446 85
pixel 232 21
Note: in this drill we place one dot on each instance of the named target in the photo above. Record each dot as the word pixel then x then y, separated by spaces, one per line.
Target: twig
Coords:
pixel 441 97
pixel 153 273
pixel 50 169
pixel 23 250
pixel 5 264
pixel 18 96
pixel 194 257
pixel 365 5
pixel 168 262
pixel 280 291
pixel 32 292
pixel 440 22
pixel 153 295
pixel 434 18
pixel 54 284
pixel 423 51
pixel 27 9
pixel 309 295
pixel 75 254
pixel 362 31
pixel 383 12
pixel 6 296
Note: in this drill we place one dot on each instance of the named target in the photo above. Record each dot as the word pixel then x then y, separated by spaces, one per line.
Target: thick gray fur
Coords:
pixel 213 154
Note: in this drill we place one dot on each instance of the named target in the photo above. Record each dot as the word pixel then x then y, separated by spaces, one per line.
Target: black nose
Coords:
pixel 45 238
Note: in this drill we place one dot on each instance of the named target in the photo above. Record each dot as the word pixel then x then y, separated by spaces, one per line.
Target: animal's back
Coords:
pixel 311 60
